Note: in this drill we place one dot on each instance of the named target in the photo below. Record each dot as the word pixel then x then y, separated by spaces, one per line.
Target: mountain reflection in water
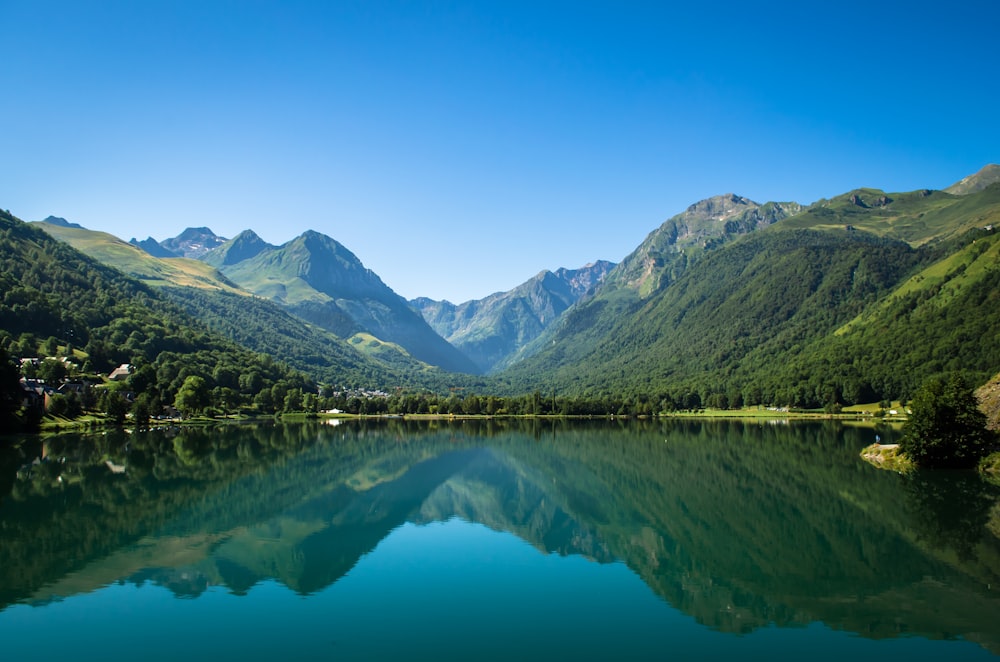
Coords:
pixel 741 526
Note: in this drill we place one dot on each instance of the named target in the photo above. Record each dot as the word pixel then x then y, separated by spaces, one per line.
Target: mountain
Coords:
pixel 193 242
pixel 853 299
pixel 988 174
pixel 703 226
pixel 492 330
pixel 152 247
pixel 663 256
pixel 243 246
pixel 257 324
pixel 321 281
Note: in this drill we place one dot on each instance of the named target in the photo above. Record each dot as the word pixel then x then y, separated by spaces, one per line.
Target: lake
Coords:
pixel 535 540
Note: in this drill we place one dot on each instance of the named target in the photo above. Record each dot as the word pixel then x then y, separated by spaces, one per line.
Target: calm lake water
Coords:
pixel 474 540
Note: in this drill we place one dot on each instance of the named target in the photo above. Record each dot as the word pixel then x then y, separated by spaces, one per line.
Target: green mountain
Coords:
pixel 258 324
pixel 243 246
pixel 665 254
pixel 491 331
pixel 682 239
pixel 858 298
pixel 321 281
pixel 50 289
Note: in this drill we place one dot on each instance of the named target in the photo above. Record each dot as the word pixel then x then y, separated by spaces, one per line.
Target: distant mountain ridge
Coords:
pixel 152 247
pixel 256 323
pixel 492 330
pixel 242 247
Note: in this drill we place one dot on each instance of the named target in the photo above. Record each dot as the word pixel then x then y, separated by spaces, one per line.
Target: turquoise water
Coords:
pixel 654 541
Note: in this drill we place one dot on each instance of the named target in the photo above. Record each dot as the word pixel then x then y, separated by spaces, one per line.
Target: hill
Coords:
pixel 137 263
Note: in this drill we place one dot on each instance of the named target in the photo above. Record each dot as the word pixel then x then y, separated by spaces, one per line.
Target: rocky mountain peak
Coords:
pixel 721 207
pixel 193 242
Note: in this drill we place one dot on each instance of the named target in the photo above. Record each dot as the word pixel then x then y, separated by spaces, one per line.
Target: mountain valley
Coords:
pixel 856 298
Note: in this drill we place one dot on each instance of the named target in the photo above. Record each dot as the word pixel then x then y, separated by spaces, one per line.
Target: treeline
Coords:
pixel 532 404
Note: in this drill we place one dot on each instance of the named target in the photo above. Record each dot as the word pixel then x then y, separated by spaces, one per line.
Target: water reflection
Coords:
pixel 740 525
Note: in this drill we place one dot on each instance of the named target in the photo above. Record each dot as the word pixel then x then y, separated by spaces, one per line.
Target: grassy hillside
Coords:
pixel 918 217
pixel 139 264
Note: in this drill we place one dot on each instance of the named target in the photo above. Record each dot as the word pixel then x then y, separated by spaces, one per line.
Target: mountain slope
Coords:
pixel 136 262
pixel 663 257
pixel 917 217
pixel 492 330
pixel 810 311
pixel 323 282
pixel 703 226
pixel 243 246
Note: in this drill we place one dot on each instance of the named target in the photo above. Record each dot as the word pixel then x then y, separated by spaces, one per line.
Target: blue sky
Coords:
pixel 458 148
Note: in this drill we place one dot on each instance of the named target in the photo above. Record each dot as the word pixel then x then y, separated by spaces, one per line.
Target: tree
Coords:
pixel 114 405
pixel 52 371
pixel 141 411
pixel 192 397
pixel 946 428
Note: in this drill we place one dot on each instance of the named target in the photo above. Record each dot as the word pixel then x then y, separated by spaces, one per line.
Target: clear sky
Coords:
pixel 459 148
